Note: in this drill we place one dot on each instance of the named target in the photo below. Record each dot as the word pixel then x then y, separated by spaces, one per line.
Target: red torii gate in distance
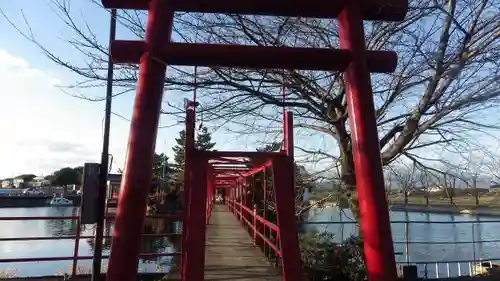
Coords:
pixel 199 183
pixel 156 52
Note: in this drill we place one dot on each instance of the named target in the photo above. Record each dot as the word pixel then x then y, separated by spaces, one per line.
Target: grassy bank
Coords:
pixel 490 201
pixel 462 199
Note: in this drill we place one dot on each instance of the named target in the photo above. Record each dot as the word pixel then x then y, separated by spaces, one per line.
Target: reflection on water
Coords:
pixel 58 228
pixel 428 242
pixel 65 248
pixel 457 238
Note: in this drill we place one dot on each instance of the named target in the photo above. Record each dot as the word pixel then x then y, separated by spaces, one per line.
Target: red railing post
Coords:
pixel 375 225
pixel 211 192
pixel 254 224
pixel 267 233
pixel 241 201
pixel 74 269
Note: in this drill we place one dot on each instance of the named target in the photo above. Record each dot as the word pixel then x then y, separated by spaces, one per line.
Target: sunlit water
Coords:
pixel 65 248
pixel 419 235
pixel 431 237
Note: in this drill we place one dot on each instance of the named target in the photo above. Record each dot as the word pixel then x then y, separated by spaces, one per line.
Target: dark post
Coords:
pixel 103 171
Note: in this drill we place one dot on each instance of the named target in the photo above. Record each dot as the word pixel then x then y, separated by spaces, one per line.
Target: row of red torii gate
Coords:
pixel 202 176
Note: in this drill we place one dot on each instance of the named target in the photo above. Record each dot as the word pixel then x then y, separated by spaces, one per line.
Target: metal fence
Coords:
pixel 77 238
pixel 427 269
pixel 439 268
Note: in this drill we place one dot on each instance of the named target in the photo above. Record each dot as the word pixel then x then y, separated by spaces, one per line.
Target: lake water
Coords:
pixel 65 248
pixel 435 238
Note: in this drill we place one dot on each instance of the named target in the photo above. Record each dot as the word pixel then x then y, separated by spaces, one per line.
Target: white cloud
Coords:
pixel 43 129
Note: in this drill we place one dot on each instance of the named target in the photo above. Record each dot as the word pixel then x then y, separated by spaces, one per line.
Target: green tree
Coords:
pixel 178 150
pixel 203 142
pixel 162 169
pixel 67 176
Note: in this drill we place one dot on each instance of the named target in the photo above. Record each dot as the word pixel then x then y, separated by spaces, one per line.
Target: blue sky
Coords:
pixel 45 128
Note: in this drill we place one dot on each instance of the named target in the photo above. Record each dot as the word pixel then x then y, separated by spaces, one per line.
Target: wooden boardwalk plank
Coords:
pixel 230 254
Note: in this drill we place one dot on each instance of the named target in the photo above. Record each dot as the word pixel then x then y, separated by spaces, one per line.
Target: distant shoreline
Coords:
pixel 424 208
pixel 442 209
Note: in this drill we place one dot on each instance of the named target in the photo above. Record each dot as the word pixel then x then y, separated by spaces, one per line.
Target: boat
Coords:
pixel 60 201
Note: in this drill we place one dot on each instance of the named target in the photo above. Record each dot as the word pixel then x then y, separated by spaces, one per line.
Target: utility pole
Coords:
pixel 103 171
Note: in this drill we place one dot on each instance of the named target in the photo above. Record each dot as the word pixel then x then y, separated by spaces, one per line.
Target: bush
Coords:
pixel 326 260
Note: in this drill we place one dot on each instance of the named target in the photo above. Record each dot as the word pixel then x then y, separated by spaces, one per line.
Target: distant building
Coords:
pixel 435 188
pixel 423 189
pixel 114 182
pixel 6 183
pixel 18 182
pixel 39 182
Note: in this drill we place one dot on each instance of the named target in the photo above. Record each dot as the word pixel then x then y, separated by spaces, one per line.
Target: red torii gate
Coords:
pixel 199 185
pixel 156 52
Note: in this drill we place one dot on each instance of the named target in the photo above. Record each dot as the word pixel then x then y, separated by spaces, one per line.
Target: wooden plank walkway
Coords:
pixel 230 254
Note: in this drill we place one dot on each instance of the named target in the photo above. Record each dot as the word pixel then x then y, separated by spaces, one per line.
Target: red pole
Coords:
pixel 130 215
pixel 375 225
pixel 284 194
pixel 283 180
pixel 195 252
pixel 284 117
pixel 288 125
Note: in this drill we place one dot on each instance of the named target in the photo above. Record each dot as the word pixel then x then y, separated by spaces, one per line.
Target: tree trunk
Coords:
pixel 476 193
pixel 348 179
pixel 452 191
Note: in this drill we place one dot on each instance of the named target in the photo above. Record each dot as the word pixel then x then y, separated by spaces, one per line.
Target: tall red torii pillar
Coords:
pixel 353 59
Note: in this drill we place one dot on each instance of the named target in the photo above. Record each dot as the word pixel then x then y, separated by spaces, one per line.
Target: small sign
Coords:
pixel 90 190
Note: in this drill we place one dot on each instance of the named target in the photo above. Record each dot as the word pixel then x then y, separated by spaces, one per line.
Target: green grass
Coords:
pixel 465 201
pixel 489 200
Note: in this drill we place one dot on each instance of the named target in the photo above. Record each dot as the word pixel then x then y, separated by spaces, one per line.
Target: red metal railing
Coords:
pixel 210 196
pixel 76 257
pixel 265 234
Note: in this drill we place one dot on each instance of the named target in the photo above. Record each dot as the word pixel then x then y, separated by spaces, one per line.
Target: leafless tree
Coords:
pixel 406 178
pixel 450 182
pixel 475 165
pixel 447 76
pixel 491 164
pixel 453 177
pixel 426 180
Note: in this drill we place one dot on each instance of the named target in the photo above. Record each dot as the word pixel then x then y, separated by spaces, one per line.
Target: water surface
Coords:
pixel 434 238
pixel 65 247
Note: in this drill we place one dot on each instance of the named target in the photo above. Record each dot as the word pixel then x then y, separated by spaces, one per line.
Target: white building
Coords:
pixel 435 189
pixel 17 182
pixel 6 183
pixel 39 182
